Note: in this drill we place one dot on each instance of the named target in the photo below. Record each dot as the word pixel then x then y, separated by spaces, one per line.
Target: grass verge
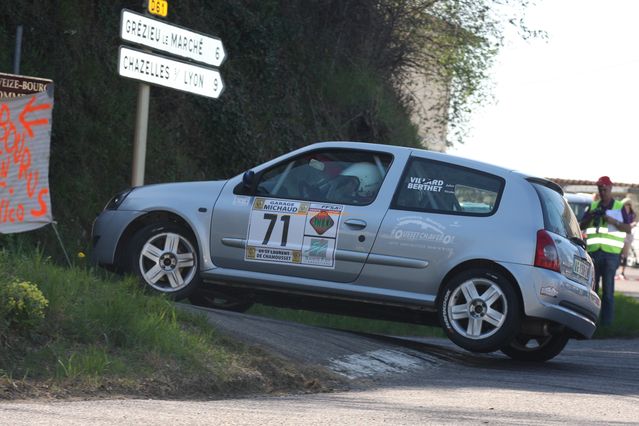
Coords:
pixel 626 321
pixel 102 335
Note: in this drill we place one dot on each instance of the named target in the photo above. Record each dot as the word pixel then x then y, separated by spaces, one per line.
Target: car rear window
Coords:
pixel 558 216
pixel 439 187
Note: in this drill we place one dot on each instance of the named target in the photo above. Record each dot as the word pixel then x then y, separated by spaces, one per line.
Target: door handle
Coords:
pixel 356 223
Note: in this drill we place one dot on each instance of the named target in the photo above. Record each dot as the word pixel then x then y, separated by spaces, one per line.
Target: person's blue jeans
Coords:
pixel 606 265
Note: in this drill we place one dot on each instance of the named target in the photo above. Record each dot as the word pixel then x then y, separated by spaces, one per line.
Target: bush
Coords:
pixel 22 307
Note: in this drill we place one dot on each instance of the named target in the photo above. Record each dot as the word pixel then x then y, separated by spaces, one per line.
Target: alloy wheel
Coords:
pixel 167 262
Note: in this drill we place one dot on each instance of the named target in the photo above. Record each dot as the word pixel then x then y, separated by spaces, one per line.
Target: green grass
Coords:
pixel 626 320
pixel 103 332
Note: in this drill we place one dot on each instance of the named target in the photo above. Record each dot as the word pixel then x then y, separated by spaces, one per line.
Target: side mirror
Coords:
pixel 248 180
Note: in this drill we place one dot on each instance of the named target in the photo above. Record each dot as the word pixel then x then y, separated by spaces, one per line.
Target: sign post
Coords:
pixel 139 139
pixel 150 68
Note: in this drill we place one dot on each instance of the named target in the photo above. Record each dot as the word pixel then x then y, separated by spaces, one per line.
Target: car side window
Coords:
pixel 330 176
pixel 435 186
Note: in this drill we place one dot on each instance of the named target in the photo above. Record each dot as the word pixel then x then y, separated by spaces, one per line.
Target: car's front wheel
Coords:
pixel 165 258
pixel 479 310
pixel 536 349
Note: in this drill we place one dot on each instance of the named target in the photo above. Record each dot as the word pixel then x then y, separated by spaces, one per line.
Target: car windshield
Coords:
pixel 558 216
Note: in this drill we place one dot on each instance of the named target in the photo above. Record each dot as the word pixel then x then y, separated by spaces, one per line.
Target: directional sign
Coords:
pixel 162 71
pixel 172 39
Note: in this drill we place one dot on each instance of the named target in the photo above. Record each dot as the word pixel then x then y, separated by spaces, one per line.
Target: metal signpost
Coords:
pixel 159 70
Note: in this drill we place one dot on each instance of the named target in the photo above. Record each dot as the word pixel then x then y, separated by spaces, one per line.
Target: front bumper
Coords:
pixel 107 230
pixel 549 295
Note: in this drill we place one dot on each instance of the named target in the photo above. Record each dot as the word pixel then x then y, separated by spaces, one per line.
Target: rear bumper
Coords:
pixel 550 295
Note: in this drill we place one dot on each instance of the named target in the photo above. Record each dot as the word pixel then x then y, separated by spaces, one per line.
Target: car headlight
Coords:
pixel 115 202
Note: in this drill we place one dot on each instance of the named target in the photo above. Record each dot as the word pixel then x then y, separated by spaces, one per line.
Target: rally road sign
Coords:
pixel 162 71
pixel 173 39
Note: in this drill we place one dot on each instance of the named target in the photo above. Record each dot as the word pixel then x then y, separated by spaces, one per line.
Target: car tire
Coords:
pixel 480 310
pixel 219 300
pixel 536 349
pixel 165 258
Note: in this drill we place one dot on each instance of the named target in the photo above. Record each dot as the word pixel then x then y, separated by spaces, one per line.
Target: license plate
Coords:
pixel 581 267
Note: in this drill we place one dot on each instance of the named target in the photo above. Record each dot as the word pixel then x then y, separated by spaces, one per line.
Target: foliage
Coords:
pixel 22 308
pixel 297 72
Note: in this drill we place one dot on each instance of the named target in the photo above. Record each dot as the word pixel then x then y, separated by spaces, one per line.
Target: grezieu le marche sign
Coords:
pixel 172 39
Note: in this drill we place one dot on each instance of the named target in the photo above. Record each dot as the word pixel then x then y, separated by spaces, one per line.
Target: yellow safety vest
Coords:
pixel 600 238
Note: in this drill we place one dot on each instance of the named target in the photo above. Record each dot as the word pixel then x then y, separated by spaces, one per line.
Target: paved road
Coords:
pixel 394 381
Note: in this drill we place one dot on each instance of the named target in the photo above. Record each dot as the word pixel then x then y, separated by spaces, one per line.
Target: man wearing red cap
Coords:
pixel 606 224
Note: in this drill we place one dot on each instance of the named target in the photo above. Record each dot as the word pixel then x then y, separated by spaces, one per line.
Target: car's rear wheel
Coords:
pixel 479 310
pixel 536 349
pixel 165 258
pixel 219 300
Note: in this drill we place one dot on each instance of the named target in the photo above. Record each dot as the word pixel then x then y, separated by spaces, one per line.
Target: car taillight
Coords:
pixel 546 254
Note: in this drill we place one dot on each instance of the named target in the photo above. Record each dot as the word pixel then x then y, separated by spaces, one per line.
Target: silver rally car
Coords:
pixel 492 255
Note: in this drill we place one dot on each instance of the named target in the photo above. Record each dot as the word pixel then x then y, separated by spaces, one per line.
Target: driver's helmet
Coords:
pixel 369 175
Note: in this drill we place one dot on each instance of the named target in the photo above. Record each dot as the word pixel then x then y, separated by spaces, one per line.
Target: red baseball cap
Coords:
pixel 604 181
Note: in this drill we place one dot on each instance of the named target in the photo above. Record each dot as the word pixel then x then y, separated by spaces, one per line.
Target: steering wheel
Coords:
pixel 308 191
pixel 343 189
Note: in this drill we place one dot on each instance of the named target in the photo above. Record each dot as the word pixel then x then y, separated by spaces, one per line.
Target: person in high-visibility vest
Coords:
pixel 606 224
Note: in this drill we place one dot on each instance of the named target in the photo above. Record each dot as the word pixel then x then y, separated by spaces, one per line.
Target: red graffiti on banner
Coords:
pixel 15 153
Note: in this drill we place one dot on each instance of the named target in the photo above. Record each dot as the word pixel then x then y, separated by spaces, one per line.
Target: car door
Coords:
pixel 440 214
pixel 314 215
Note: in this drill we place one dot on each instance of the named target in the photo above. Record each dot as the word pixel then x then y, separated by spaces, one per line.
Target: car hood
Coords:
pixel 173 195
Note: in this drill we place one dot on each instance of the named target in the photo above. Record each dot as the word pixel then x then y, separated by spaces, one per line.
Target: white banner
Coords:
pixel 25 137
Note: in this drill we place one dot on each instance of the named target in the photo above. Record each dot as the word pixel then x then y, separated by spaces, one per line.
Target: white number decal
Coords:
pixel 293 232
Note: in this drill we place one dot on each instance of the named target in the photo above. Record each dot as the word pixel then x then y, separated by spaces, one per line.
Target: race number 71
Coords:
pixel 272 218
